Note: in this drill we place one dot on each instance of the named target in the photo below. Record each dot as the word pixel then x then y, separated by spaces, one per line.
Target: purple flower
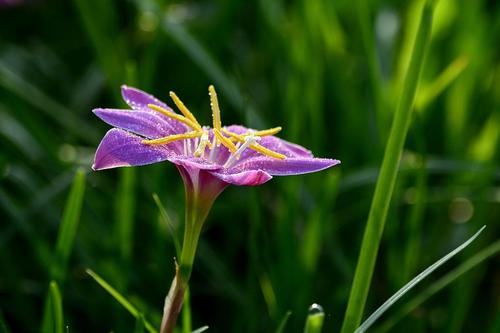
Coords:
pixel 208 159
pixel 152 132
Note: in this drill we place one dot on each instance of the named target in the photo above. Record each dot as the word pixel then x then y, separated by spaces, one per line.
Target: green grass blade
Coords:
pixel 429 93
pixel 140 325
pixel 314 320
pixel 124 224
pixel 3 324
pixel 282 325
pixel 57 310
pixel 186 313
pixel 38 99
pixel 99 21
pixel 440 284
pixel 68 227
pixel 201 329
pixel 387 178
pixel 407 287
pixel 120 299
pixel 168 221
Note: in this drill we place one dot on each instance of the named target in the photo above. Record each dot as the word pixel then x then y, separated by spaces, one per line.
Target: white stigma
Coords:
pixel 250 139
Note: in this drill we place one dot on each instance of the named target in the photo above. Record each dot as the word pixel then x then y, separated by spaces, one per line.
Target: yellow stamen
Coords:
pixel 214 103
pixel 172 138
pixel 225 141
pixel 234 136
pixel 267 132
pixel 202 145
pixel 175 116
pixel 255 146
pixel 263 150
pixel 185 111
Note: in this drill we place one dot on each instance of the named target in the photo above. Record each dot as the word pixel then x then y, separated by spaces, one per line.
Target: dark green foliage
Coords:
pixel 330 73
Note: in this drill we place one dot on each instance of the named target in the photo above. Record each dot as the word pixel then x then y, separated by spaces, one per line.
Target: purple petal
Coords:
pixel 138 99
pixel 119 148
pixel 147 123
pixel 194 162
pixel 244 178
pixel 286 167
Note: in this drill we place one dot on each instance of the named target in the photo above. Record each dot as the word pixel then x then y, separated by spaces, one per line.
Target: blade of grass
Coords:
pixel 99 21
pixel 168 221
pixel 64 245
pixel 68 227
pixel 429 93
pixel 124 223
pixel 140 325
pixel 30 93
pixel 407 287
pixel 368 39
pixel 387 177
pixel 57 310
pixel 203 59
pixel 186 313
pixel 120 299
pixel 282 325
pixel 440 284
pixel 314 320
pixel 201 329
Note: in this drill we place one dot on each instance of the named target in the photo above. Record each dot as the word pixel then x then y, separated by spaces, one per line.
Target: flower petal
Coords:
pixel 194 162
pixel 138 99
pixel 119 148
pixel 286 167
pixel 244 178
pixel 147 123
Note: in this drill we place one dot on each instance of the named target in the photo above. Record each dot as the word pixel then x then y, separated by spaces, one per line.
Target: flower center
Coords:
pixel 222 136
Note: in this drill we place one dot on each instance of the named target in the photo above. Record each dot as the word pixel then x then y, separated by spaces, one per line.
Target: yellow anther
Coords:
pixel 267 132
pixel 263 150
pixel 214 103
pixel 172 138
pixel 202 145
pixel 255 146
pixel 185 111
pixel 175 116
pixel 225 141
pixel 233 136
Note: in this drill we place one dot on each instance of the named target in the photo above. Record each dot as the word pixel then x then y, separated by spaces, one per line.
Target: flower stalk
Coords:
pixel 201 190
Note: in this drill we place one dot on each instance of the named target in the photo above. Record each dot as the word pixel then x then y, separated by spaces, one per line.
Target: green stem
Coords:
pixel 201 192
pixel 385 184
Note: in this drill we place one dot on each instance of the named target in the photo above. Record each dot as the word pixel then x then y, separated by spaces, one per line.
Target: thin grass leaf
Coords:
pixel 186 312
pixel 443 282
pixel 3 324
pixel 314 320
pixel 140 325
pixel 387 178
pixel 57 310
pixel 68 226
pixel 168 221
pixel 429 93
pixel 282 325
pixel 34 96
pixel 407 287
pixel 120 299
pixel 201 329
pixel 52 320
pixel 202 58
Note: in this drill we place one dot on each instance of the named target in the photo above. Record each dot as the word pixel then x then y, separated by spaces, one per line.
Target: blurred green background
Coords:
pixel 330 73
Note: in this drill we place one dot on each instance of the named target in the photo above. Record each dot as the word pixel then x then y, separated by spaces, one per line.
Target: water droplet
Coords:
pixel 316 309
